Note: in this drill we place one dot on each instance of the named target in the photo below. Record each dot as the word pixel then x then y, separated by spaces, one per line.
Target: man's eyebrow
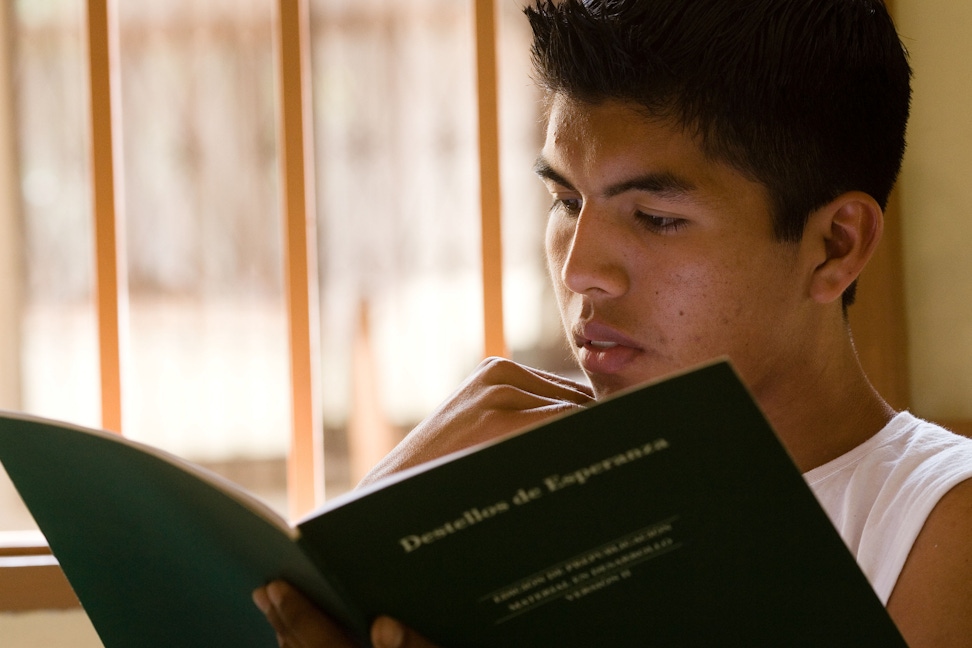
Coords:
pixel 662 183
pixel 543 169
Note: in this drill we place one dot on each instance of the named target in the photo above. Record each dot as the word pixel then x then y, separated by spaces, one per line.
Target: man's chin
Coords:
pixel 606 385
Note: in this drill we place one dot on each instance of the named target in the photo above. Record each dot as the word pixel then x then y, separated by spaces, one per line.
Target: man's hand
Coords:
pixel 299 624
pixel 500 397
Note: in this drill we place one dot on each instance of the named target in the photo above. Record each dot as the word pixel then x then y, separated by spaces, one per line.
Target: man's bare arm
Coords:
pixel 932 600
pixel 500 397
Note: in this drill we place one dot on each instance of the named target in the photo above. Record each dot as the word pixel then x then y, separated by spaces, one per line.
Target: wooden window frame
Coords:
pixel 30 578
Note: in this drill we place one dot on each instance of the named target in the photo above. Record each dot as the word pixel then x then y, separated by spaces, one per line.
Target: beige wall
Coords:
pixel 936 200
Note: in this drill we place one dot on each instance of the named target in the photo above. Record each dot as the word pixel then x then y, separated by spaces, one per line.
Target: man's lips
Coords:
pixel 601 336
pixel 602 349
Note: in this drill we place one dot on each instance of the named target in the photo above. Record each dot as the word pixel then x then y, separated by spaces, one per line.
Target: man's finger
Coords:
pixel 298 623
pixel 537 381
pixel 389 633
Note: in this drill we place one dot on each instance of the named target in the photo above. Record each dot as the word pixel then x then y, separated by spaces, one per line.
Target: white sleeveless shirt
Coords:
pixel 879 494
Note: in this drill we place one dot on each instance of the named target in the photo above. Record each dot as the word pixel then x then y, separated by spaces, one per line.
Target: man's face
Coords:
pixel 662 258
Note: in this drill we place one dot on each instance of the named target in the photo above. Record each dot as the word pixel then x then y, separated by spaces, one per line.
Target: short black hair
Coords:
pixel 808 97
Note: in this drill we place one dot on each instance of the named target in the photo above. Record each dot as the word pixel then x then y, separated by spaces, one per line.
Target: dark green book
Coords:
pixel 666 516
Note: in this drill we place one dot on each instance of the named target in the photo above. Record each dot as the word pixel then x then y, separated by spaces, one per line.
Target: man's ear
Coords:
pixel 842 236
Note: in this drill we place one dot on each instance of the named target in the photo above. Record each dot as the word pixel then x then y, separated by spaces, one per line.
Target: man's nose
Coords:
pixel 594 264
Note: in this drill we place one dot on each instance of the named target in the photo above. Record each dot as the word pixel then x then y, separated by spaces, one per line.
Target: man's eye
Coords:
pixel 569 206
pixel 661 224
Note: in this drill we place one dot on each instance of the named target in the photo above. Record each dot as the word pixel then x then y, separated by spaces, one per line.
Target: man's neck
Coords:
pixel 827 410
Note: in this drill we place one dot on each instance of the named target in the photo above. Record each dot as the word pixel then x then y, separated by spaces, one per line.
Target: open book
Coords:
pixel 666 516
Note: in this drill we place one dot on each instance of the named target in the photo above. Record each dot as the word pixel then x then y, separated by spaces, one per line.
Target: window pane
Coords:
pixel 532 322
pixel 60 352
pixel 208 376
pixel 58 364
pixel 398 209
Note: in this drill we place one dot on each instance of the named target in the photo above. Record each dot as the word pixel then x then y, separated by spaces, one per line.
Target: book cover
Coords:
pixel 669 515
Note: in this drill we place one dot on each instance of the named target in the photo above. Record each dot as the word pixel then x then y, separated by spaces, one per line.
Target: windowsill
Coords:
pixel 30 578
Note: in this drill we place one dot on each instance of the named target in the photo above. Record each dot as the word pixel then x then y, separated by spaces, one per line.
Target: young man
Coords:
pixel 718 170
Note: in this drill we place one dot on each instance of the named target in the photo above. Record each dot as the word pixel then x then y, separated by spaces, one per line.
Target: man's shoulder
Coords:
pixel 881 495
pixel 947 452
pixel 907 448
pixel 932 600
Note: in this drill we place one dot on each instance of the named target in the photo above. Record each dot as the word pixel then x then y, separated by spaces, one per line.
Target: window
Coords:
pixel 397 210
